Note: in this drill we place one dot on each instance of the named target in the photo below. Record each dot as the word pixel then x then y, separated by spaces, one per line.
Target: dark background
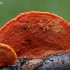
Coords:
pixel 11 8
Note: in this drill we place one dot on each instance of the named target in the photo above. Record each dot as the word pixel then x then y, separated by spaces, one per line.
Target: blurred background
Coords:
pixel 11 8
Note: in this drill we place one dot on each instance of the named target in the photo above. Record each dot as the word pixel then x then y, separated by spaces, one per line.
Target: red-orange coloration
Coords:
pixel 7 55
pixel 36 34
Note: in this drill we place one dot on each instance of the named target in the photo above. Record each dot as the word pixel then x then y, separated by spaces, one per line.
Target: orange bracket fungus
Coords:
pixel 7 55
pixel 36 34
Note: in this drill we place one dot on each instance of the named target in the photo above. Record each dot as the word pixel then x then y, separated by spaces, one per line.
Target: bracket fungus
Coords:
pixel 36 34
pixel 7 55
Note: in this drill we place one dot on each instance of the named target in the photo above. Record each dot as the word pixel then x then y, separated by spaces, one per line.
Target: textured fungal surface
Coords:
pixel 36 34
pixel 7 55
